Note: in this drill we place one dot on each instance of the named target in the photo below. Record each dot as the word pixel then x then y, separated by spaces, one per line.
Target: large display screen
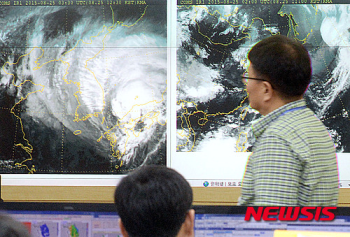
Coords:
pixel 101 219
pixel 102 87
pixel 83 86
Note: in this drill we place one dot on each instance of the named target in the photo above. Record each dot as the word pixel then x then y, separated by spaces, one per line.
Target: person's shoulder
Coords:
pixel 295 121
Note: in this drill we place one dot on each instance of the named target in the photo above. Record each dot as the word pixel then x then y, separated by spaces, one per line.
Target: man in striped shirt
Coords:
pixel 293 161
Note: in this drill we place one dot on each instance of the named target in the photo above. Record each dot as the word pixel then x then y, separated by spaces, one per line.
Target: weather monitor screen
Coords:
pixel 83 86
pixel 97 220
pixel 102 87
pixel 82 224
pixel 63 220
pixel 213 114
pixel 230 221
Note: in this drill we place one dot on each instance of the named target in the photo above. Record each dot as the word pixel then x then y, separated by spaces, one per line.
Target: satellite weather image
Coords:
pixel 212 46
pixel 83 88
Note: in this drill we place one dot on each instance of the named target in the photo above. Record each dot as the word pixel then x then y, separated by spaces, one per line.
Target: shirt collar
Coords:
pixel 260 126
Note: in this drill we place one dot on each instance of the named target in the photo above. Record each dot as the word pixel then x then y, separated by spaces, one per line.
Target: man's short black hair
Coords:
pixel 285 62
pixel 153 201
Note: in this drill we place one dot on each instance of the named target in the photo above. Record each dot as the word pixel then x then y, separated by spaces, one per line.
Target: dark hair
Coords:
pixel 285 62
pixel 153 201
pixel 10 227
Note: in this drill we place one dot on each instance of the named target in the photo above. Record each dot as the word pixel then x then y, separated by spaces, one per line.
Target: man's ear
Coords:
pixel 188 225
pixel 267 91
pixel 122 228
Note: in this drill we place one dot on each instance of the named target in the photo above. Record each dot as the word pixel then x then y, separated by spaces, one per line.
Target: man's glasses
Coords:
pixel 245 79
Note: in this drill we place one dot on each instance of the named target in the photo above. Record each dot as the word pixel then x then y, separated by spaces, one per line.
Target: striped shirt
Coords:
pixel 293 161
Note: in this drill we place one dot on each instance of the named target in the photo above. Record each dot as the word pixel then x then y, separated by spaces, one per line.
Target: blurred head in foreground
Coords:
pixel 9 227
pixel 155 201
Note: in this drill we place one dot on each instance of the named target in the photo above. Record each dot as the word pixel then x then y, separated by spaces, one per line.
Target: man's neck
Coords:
pixel 276 103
